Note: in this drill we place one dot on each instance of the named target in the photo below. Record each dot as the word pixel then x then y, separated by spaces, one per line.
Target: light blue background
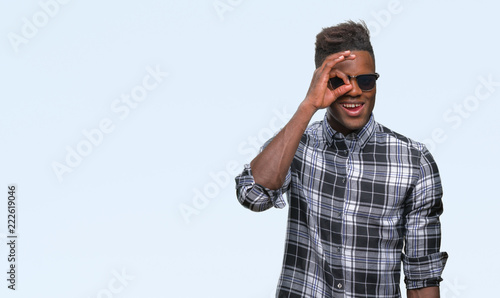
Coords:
pixel 233 77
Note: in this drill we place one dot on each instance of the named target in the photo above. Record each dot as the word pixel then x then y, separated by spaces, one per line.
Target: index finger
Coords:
pixel 340 56
pixel 337 73
pixel 333 59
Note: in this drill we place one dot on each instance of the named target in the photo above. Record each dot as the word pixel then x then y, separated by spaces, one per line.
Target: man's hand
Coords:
pixel 270 167
pixel 319 95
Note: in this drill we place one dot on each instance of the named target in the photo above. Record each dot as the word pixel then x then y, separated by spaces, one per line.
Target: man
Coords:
pixel 362 198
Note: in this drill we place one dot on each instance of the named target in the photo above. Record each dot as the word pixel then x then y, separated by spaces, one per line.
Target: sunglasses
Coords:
pixel 366 82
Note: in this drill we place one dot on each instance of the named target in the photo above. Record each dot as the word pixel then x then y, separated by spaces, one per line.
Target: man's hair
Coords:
pixel 342 37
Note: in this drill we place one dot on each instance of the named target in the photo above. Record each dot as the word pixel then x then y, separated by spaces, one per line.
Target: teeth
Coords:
pixel 351 105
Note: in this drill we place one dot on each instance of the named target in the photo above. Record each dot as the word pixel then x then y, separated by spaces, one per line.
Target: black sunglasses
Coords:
pixel 366 82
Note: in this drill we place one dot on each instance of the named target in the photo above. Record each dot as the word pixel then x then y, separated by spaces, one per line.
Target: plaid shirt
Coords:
pixel 358 206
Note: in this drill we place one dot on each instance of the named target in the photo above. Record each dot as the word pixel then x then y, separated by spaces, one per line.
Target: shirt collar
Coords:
pixel 362 136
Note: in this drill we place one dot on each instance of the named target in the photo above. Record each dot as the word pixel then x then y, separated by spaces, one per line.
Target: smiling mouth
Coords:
pixel 351 105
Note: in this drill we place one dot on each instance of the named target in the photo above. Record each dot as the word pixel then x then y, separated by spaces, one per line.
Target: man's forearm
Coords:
pixel 430 292
pixel 269 168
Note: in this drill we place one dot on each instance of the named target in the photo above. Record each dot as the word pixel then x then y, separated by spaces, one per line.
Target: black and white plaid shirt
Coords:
pixel 358 206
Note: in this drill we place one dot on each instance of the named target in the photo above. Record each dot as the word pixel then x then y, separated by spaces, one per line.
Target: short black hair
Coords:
pixel 342 37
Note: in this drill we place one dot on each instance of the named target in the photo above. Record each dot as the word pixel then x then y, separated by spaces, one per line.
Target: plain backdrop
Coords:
pixel 123 124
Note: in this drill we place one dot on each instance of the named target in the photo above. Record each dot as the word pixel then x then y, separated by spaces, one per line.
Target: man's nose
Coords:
pixel 355 91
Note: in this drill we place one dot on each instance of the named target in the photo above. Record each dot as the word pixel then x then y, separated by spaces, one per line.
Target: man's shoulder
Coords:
pixel 384 133
pixel 314 127
pixel 314 131
pixel 381 134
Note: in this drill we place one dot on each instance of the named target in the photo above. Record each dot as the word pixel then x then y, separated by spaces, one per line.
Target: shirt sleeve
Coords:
pixel 257 197
pixel 423 263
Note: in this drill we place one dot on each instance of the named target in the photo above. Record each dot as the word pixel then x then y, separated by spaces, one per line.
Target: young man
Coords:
pixel 362 198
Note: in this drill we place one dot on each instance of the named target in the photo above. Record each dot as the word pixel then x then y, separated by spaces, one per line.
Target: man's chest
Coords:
pixel 372 182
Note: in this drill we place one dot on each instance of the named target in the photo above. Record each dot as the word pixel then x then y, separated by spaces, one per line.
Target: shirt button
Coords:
pixel 339 286
pixel 338 249
pixel 339 214
pixel 343 180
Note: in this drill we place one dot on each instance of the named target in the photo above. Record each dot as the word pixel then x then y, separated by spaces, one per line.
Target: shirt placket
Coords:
pixel 341 154
pixel 347 222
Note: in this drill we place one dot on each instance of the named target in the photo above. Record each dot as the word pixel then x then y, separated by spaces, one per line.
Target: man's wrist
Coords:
pixel 307 108
pixel 429 292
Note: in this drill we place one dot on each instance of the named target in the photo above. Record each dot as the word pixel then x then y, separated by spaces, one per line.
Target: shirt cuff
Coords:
pixel 423 272
pixel 255 195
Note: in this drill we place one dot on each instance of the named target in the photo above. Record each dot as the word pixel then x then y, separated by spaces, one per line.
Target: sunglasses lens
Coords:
pixel 366 82
pixel 336 82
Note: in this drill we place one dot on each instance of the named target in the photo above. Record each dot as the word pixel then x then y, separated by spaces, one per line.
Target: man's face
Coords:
pixel 341 114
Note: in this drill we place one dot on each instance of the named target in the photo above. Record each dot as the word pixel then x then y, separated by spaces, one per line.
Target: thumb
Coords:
pixel 338 92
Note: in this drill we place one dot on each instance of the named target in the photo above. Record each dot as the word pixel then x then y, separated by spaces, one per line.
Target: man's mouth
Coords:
pixel 351 105
pixel 353 109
